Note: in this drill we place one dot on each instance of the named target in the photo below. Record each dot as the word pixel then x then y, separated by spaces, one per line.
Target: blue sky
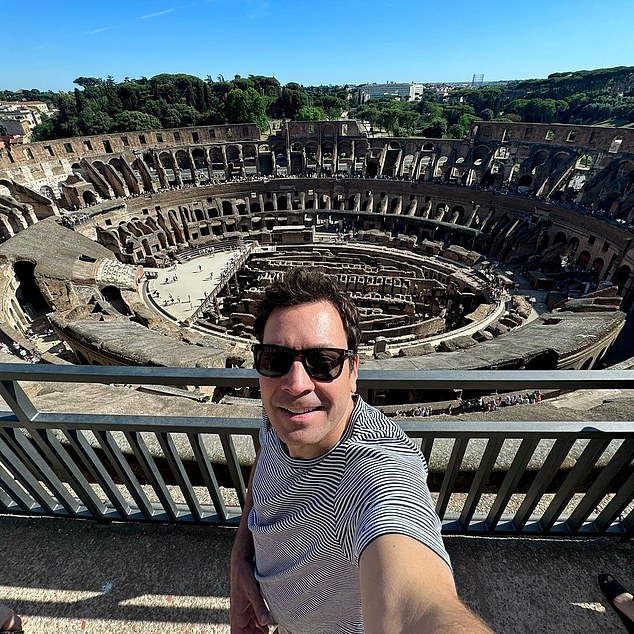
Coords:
pixel 46 45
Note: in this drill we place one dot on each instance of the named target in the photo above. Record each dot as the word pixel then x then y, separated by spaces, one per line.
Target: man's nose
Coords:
pixel 296 380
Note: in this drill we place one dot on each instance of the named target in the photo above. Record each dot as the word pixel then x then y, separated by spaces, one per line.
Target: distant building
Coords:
pixel 12 132
pixel 405 92
pixel 28 113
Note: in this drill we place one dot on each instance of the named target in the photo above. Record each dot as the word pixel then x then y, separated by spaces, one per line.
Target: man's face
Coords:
pixel 309 416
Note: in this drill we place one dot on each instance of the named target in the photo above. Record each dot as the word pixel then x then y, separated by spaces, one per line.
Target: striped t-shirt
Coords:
pixel 311 519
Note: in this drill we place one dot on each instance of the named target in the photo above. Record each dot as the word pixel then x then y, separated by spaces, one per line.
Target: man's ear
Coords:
pixel 354 373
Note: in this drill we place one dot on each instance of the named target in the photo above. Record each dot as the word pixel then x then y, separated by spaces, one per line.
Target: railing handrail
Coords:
pixel 519 477
pixel 386 379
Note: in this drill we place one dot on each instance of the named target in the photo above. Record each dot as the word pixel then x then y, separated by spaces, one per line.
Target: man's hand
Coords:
pixel 248 613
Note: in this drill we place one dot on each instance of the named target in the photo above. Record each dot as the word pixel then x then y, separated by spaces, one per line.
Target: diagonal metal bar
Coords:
pixel 621 500
pixel 451 474
pixel 207 472
pixel 40 468
pixel 427 445
pixel 15 492
pixel 17 400
pixel 152 473
pixel 598 489
pixel 178 472
pixel 124 472
pixel 572 483
pixel 544 477
pixel 6 503
pixel 233 464
pixel 56 454
pixel 511 481
pixel 21 474
pixel 480 480
pixel 98 471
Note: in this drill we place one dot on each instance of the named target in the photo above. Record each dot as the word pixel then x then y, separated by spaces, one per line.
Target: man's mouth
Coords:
pixel 300 410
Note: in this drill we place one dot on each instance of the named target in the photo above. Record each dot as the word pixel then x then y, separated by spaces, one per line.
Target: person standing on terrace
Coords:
pixel 339 532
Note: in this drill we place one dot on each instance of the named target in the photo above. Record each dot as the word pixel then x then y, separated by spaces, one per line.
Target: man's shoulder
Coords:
pixel 370 424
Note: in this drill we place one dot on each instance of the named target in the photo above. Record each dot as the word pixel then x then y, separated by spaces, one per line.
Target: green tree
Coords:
pixel 246 106
pixel 311 113
pixel 133 120
pixel 292 98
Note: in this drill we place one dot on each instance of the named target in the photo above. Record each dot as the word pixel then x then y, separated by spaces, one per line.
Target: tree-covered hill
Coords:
pixel 100 106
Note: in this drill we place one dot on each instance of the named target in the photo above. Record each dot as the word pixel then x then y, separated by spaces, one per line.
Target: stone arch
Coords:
pixel 597 265
pixel 345 149
pixel 233 153
pixel 539 158
pixel 166 161
pixel 249 152
pixel 560 238
pixel 126 173
pixel 282 202
pixel 442 161
pixel 583 259
pixel 89 198
pixel 584 162
pixel 241 206
pixel 113 296
pixel 621 276
pixel 457 214
pixel 28 294
pixel 47 191
pixel 111 177
pixel 408 165
pixel 311 151
pixel 200 159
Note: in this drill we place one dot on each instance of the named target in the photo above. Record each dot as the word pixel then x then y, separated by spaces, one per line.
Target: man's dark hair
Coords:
pixel 302 285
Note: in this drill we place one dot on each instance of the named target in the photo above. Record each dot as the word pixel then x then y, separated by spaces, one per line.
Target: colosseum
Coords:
pixel 151 248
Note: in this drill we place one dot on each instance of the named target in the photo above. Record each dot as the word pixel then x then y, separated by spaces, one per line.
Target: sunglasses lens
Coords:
pixel 323 364
pixel 273 360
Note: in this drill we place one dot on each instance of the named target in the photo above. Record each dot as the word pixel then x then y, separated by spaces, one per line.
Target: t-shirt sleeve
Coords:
pixel 385 492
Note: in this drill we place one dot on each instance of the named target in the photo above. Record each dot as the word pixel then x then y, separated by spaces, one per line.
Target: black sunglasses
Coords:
pixel 321 364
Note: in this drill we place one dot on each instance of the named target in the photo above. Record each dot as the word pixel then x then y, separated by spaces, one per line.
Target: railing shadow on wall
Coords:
pixel 490 477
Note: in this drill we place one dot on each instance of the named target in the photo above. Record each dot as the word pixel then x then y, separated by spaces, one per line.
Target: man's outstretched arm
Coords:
pixel 407 588
pixel 248 613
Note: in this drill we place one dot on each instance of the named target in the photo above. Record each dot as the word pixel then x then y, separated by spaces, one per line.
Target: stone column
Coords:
pixel 193 166
pixel 225 163
pixel 8 229
pixel 398 168
pixel 382 159
pixel 177 170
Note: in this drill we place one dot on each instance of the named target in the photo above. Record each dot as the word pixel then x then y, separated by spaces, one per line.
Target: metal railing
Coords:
pixel 549 478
